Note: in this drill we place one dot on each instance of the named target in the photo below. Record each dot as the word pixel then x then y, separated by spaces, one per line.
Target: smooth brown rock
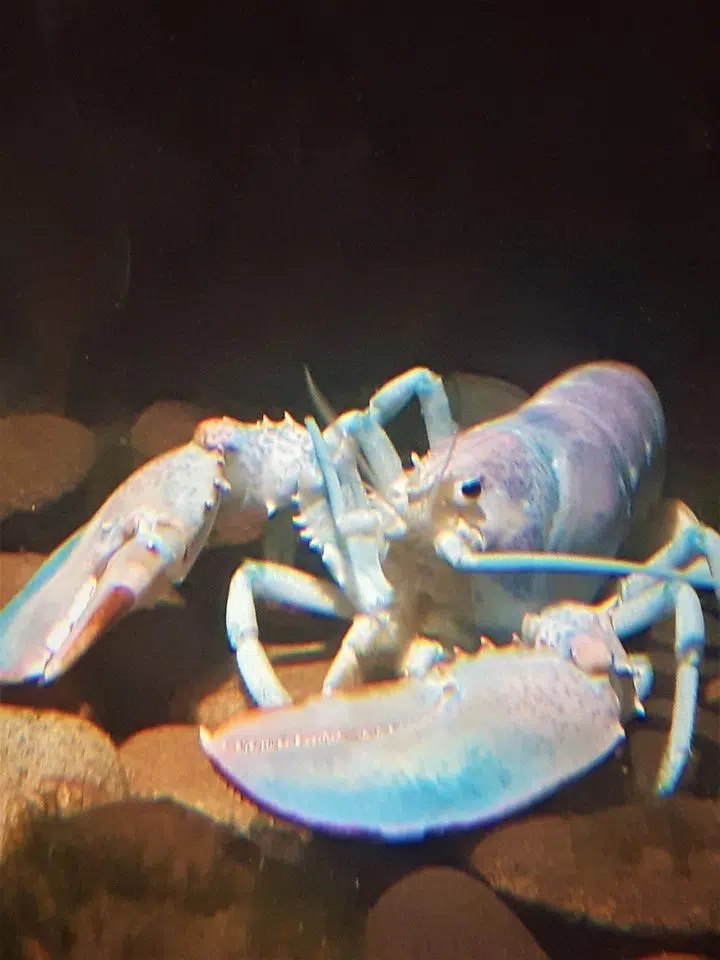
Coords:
pixel 168 834
pixel 109 926
pixel 651 867
pixel 169 763
pixel 440 913
pixel 164 424
pixel 42 456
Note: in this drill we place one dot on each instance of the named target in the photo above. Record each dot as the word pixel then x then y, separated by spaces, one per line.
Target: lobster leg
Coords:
pixel 422 656
pixel 366 426
pixel 379 451
pixel 640 612
pixel 271 581
pixel 429 390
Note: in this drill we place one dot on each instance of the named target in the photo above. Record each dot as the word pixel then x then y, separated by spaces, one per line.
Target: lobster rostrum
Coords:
pixel 425 561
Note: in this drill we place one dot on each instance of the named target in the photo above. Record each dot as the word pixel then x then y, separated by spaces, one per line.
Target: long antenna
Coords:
pixel 328 415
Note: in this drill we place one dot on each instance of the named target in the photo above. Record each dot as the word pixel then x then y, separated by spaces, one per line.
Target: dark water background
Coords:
pixel 508 191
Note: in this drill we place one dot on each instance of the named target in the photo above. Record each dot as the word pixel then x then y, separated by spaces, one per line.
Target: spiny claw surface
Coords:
pixel 469 744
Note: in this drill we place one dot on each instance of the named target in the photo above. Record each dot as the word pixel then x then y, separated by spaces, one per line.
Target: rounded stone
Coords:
pixel 651 868
pixel 42 456
pixel 443 912
pixel 54 763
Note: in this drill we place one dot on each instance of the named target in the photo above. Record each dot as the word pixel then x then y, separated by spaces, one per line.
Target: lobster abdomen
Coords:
pixel 601 428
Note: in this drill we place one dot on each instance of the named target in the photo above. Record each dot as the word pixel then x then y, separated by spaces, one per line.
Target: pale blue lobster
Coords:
pixel 401 553
pixel 469 740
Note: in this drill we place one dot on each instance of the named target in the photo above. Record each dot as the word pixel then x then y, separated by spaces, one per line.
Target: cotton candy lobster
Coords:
pixel 413 556
pixel 479 737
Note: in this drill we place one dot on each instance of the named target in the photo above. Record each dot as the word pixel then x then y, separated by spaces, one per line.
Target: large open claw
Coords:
pixel 148 533
pixel 473 740
pixel 468 744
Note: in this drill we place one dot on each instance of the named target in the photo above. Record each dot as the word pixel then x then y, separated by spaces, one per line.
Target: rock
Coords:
pixel 164 424
pixel 302 678
pixel 67 694
pixel 440 912
pixel 142 879
pixel 154 879
pixel 211 700
pixel 651 868
pixel 111 927
pixel 32 949
pixel 42 456
pixel 52 763
pixel 674 956
pixel 169 763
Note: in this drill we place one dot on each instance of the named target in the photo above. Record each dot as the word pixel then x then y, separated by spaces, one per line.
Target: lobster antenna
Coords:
pixel 326 412
pixel 328 415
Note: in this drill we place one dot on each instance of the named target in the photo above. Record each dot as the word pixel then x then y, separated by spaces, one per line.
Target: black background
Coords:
pixel 509 188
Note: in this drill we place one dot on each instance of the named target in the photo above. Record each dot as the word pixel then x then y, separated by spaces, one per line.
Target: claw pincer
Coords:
pixel 466 745
pixel 470 742
pixel 148 533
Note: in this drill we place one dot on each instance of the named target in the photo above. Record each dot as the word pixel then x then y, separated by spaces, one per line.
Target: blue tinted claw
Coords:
pixel 466 745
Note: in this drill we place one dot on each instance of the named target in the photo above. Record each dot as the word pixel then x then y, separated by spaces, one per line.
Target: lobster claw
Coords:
pixel 467 744
pixel 145 536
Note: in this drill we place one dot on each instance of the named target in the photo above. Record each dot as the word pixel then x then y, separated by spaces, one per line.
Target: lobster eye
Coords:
pixel 471 488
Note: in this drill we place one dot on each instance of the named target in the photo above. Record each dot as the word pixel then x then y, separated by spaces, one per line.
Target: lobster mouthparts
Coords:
pixel 466 745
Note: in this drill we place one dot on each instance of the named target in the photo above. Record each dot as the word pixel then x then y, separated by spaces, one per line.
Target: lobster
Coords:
pixel 425 561
pixel 467 737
